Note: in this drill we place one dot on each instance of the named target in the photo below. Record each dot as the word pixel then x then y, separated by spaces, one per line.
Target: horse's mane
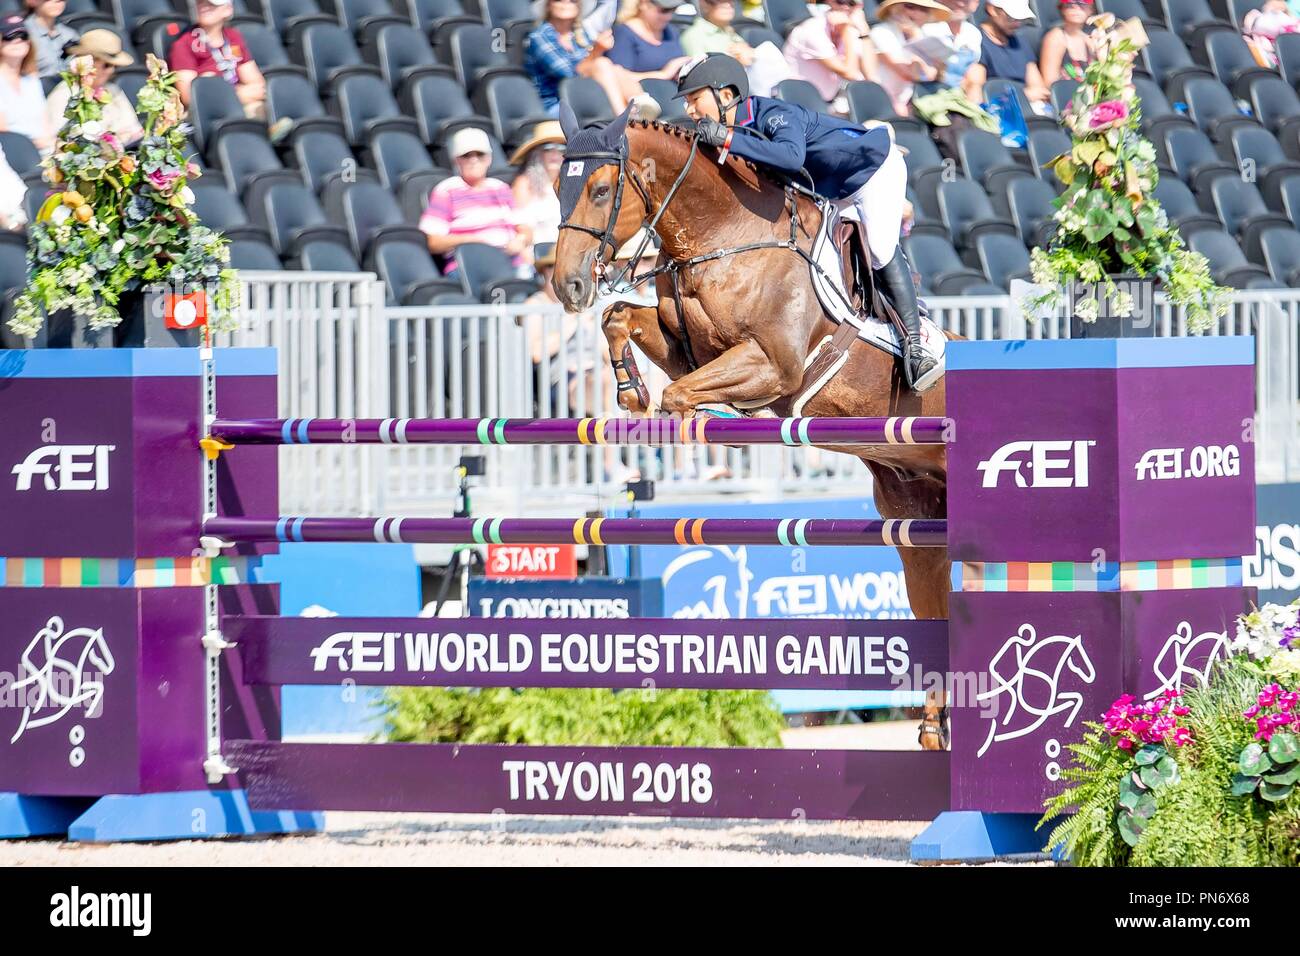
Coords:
pixel 689 135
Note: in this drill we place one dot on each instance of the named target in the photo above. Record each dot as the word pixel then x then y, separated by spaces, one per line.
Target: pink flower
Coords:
pixel 161 181
pixel 1107 114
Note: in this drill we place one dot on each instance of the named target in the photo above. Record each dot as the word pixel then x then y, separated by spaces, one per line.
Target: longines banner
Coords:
pixel 1275 566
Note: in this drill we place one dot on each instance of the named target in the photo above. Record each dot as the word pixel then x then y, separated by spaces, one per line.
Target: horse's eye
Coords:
pixel 601 191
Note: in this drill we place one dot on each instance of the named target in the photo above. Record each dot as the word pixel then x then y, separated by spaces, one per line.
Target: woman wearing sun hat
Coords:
pixel 539 159
pixel 105 48
pixel 900 23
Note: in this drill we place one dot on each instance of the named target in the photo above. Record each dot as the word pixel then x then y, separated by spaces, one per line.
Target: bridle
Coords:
pixel 673 267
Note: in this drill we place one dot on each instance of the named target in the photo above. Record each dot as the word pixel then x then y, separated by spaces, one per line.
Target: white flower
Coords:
pixel 187 195
pixel 60 215
pixel 1123 304
pixel 118 246
pixel 93 129
pixel 1086 310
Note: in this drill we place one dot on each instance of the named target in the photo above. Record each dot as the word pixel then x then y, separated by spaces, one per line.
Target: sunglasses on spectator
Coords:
pixel 15 36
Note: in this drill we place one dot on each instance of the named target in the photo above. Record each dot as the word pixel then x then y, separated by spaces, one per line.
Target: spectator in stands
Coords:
pixel 1003 55
pixel 1262 27
pixel 13 192
pixel 562 47
pixel 831 49
pixel 962 39
pixel 22 98
pixel 712 32
pixel 49 36
pixel 211 48
pixel 900 24
pixel 539 159
pixel 105 48
pixel 646 44
pixel 1067 49
pixel 472 206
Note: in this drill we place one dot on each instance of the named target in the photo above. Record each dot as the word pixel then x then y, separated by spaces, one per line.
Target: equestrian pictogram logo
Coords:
pixel 1171 665
pixel 63 669
pixel 1033 686
pixel 725 583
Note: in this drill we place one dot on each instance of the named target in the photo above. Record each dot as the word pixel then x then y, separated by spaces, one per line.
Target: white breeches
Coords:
pixel 879 205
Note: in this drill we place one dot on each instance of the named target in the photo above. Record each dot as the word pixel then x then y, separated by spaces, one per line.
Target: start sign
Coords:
pixel 532 561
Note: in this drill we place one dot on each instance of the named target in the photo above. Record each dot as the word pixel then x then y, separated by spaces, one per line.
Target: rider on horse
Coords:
pixel 860 167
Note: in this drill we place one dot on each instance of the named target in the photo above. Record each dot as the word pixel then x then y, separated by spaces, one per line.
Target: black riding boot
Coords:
pixel 895 281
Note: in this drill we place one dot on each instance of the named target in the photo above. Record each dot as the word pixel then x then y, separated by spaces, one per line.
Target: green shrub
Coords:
pixel 696 718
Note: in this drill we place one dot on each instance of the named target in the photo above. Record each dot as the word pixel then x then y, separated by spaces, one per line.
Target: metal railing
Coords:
pixel 344 353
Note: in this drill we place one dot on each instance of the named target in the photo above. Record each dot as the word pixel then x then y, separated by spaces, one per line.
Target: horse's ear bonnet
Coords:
pixel 586 150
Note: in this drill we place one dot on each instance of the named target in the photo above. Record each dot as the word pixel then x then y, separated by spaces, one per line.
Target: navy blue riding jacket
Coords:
pixel 839 155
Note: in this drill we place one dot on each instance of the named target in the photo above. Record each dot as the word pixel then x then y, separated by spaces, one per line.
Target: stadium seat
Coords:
pixel 413 194
pixel 925 167
pixel 1124 9
pixel 502 13
pixel 869 101
pixel 802 93
pixel 1001 257
pixel 291 215
pixel 289 18
pixel 587 99
pixel 242 156
pixel 514 107
pixel 370 214
pixel 1193 157
pixel 323 255
pixel 251 255
pixel 941 269
pixel 965 209
pixel 986 160
pixel 321 155
pixel 1063 93
pixel 1191 19
pixel 1044 146
pixel 214 111
pixel 487 273
pixel 219 209
pixel 1029 205
pixel 1277 106
pixel 439 106
pixel 756 34
pixel 267 50
pixel 665 94
pixel 293 97
pixel 437 20
pixel 363 17
pixel 1167 61
pixel 398 154
pixel 403 54
pixel 409 273
pixel 1288 57
pixel 138 17
pixel 1261 159
pixel 20 152
pixel 1232 61
pixel 328 53
pixel 1181 207
pixel 366 106
pixel 783 15
pixel 1280 252
pixel 1243 212
pixel 476 57
pixel 1213 108
pixel 1228 264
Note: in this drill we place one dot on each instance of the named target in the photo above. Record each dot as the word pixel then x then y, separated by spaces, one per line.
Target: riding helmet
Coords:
pixel 714 71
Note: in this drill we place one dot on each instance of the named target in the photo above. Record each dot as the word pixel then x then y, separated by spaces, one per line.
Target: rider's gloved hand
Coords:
pixel 711 132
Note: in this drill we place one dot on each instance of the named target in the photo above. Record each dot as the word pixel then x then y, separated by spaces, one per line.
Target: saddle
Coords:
pixel 842 277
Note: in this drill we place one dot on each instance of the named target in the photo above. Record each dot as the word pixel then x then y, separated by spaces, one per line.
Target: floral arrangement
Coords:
pixel 1146 731
pixel 124 219
pixel 1107 220
pixel 1205 777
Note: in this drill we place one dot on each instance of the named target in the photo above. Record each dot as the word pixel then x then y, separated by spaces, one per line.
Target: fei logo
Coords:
pixel 78 467
pixel 1204 461
pixel 1051 464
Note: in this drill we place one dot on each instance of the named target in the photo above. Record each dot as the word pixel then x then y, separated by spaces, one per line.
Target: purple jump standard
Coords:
pixel 788 532
pixel 583 431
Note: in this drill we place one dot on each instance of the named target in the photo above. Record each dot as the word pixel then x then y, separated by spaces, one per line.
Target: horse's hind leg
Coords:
pixel 928 575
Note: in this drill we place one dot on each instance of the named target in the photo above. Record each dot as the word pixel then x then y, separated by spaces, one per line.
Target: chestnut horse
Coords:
pixel 737 314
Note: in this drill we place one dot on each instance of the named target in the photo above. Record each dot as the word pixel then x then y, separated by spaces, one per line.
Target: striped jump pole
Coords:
pixel 897 532
pixel 583 431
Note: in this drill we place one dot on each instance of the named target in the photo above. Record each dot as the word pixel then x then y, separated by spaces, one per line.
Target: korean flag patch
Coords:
pixel 575 168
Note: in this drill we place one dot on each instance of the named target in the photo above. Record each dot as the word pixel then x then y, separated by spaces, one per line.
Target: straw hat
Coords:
pixel 544 254
pixel 543 134
pixel 104 45
pixel 937 10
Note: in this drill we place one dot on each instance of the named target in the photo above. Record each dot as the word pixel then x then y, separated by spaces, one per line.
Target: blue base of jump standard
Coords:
pixel 969 836
pixel 117 818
